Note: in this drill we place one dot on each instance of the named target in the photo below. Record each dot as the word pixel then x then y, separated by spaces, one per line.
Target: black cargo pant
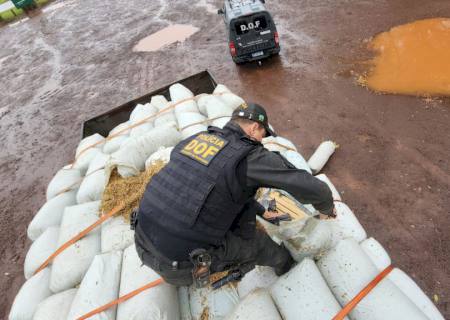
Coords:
pixel 260 250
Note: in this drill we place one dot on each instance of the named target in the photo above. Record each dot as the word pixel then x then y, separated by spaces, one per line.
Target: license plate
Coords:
pixel 257 54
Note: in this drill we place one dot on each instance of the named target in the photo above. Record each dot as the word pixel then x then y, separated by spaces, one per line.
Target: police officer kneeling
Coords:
pixel 202 202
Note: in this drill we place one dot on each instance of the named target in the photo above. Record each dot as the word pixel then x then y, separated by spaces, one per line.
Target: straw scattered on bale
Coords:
pixel 205 314
pixel 128 191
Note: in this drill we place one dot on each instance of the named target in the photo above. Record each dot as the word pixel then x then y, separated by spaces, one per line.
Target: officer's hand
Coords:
pixel 331 216
pixel 323 216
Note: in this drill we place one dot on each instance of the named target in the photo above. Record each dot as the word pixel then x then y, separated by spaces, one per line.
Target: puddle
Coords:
pixel 412 59
pixel 165 37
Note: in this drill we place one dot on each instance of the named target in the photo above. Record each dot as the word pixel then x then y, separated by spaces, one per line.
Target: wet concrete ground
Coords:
pixel 76 61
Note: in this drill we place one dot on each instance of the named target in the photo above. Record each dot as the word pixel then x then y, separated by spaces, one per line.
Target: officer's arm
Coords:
pixel 271 170
pixel 246 223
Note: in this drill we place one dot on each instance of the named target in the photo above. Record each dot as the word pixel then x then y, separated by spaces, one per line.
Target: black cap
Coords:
pixel 254 112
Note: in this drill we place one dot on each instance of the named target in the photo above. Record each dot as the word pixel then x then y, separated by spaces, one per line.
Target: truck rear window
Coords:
pixel 257 23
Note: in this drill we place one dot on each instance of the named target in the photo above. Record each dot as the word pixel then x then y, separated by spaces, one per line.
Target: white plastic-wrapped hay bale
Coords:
pixel 278 144
pixel 191 123
pixel 258 305
pixel 321 155
pixel 334 192
pixel 92 187
pixel 214 107
pixel 302 293
pixel 178 92
pixel 95 139
pixel 55 307
pixel 163 154
pixel 160 102
pixel 347 270
pixel 65 180
pixel 346 225
pixel 311 237
pixel 220 123
pixel 70 266
pixel 226 96
pixel 123 134
pixel 50 214
pixel 185 308
pixel 98 163
pixel 165 118
pixel 33 292
pixel 221 88
pixel 232 100
pixel 296 159
pixel 189 118
pixel 259 277
pixel 207 303
pixel 166 115
pixel 40 250
pixel 186 106
pixel 381 260
pixel 312 240
pixel 82 163
pixel 116 234
pixel 201 106
pixel 376 253
pixel 87 149
pixel 410 288
pixel 130 158
pixel 157 303
pixel 143 114
pixel 99 286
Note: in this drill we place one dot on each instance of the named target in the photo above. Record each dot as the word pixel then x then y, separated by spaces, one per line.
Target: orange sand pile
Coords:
pixel 412 59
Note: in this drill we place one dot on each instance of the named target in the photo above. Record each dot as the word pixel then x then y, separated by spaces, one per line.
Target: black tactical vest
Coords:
pixel 199 193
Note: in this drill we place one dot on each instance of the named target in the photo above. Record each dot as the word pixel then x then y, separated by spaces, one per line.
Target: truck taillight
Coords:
pixel 232 49
pixel 276 38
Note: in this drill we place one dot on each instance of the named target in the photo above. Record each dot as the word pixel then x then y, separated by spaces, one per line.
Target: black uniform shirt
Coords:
pixel 264 168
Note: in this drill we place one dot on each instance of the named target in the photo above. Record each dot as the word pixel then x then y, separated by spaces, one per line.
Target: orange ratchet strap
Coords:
pixel 364 292
pixel 78 237
pixel 121 299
